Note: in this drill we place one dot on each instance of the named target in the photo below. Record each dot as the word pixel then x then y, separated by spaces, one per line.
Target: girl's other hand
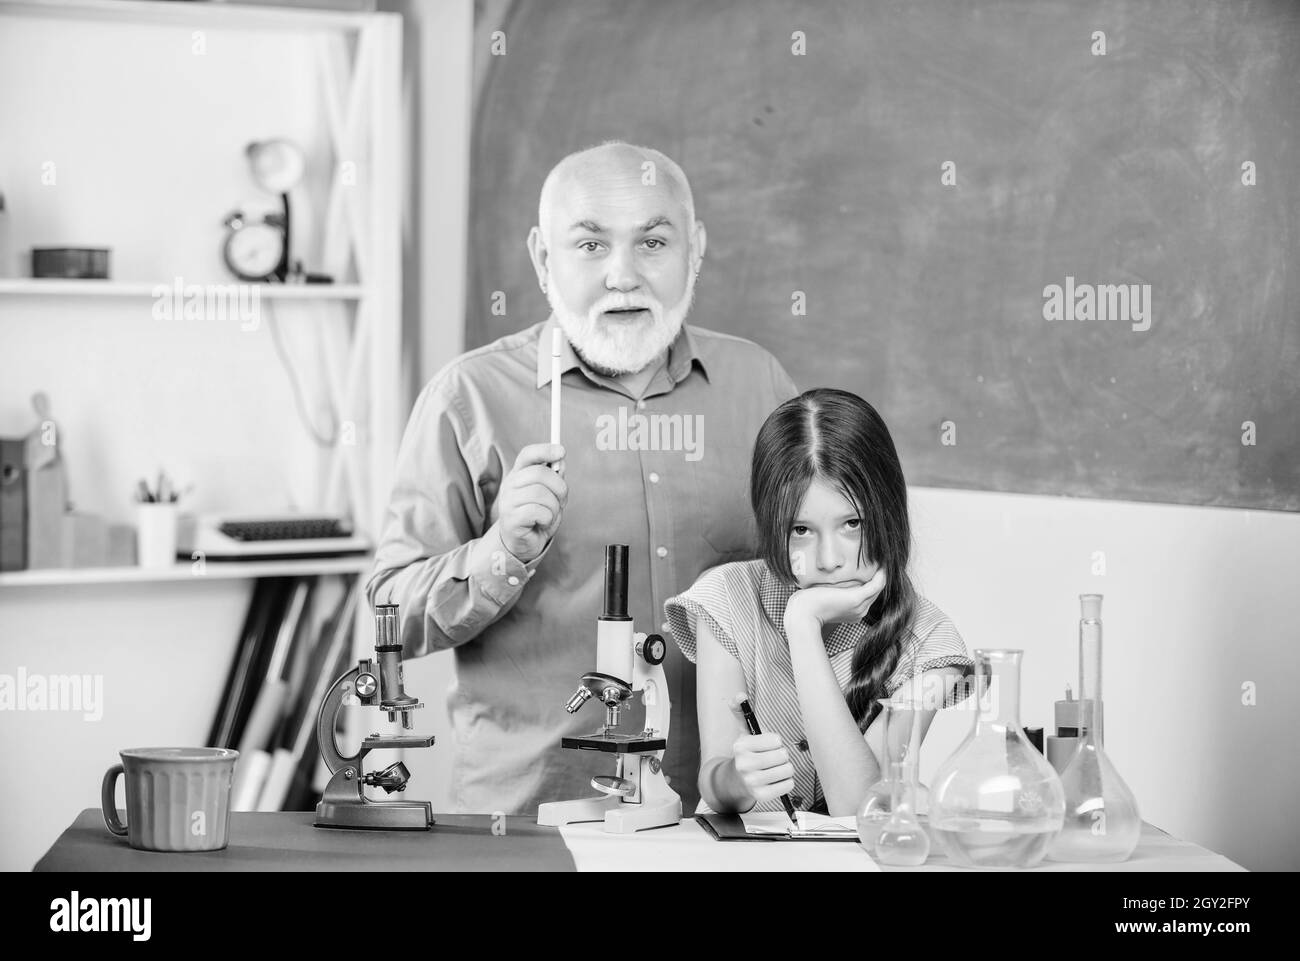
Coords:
pixel 835 603
pixel 763 765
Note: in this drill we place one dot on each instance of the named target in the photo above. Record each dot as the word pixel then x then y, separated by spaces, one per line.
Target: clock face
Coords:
pixel 253 251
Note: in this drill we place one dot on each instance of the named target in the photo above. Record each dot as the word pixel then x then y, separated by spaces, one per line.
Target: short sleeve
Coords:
pixel 708 600
pixel 933 644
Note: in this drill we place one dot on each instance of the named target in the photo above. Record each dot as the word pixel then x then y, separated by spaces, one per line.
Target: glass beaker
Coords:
pixel 903 840
pixel 1101 814
pixel 902 736
pixel 996 802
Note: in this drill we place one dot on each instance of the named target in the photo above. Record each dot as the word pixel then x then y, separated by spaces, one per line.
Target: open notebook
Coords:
pixel 776 826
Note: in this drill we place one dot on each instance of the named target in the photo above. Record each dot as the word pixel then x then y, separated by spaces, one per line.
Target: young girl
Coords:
pixel 823 624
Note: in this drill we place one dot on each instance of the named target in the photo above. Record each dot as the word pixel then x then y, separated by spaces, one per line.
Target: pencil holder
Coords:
pixel 156 534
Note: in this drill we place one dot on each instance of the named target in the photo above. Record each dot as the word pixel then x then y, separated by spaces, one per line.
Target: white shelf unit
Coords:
pixel 358 69
pixel 211 570
pixel 358 57
pixel 49 287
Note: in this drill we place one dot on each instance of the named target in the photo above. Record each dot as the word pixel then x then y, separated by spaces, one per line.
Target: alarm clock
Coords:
pixel 254 250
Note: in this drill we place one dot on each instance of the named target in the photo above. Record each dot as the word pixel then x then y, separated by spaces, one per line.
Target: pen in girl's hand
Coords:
pixel 751 722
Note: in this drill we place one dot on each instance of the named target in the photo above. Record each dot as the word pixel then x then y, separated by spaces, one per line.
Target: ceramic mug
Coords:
pixel 177 798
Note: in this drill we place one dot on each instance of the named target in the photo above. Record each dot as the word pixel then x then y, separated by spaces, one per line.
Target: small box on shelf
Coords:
pixel 70 263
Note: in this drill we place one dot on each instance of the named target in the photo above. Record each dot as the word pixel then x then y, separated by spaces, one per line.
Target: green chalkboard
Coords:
pixel 815 136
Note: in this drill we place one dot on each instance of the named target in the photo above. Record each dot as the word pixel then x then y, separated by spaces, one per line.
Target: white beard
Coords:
pixel 614 346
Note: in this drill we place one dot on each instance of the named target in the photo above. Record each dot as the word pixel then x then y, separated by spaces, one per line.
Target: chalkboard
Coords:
pixel 1089 144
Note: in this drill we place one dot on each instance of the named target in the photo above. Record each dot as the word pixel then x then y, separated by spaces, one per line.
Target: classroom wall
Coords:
pixel 437 61
pixel 1198 602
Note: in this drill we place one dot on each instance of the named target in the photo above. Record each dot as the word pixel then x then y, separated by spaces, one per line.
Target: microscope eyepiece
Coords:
pixel 615 582
pixel 388 630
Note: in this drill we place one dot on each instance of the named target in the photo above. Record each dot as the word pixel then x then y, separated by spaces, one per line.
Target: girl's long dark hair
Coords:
pixel 838 438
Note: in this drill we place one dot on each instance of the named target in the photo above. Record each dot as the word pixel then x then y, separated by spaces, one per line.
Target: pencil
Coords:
pixel 556 334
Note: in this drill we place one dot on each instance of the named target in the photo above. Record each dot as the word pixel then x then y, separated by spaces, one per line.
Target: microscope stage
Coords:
pixel 619 745
pixel 377 742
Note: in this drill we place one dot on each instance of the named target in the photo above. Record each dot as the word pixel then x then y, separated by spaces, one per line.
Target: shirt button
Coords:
pixel 665 628
pixel 661 551
pixel 512 581
pixel 803 744
pixel 640 405
pixel 654 478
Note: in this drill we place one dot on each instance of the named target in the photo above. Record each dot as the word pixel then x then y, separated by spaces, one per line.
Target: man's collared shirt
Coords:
pixel 666 475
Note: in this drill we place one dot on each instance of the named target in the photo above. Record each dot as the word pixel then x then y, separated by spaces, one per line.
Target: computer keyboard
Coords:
pixel 285 529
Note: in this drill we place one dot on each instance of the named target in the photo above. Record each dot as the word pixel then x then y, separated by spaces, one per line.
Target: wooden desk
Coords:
pixel 288 842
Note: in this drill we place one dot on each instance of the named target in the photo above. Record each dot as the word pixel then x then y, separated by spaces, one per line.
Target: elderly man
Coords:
pixel 494 540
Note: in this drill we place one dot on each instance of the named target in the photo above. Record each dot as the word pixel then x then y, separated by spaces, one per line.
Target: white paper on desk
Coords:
pixel 811 826
pixel 689 847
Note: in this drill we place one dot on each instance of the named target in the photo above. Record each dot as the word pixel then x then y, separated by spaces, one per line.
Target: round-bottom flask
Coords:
pixel 996 802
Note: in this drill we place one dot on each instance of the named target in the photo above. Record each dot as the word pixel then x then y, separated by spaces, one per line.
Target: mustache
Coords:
pixel 626 303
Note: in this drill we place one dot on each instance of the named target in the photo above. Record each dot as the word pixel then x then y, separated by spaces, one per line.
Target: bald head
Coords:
pixel 607 173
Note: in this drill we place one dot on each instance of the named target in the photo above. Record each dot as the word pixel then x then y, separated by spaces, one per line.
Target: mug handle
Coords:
pixel 109 803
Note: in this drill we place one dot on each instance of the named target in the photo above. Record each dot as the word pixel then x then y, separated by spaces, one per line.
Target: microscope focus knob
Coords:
pixel 653 649
pixel 366 685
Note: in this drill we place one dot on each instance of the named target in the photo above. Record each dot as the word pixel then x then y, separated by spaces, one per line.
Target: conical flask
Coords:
pixel 903 841
pixel 996 802
pixel 1101 814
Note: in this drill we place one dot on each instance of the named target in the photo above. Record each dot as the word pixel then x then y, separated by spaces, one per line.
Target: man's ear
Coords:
pixel 700 241
pixel 538 253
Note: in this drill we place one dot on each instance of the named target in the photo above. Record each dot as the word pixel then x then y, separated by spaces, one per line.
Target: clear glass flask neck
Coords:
pixel 997 678
pixel 1091 709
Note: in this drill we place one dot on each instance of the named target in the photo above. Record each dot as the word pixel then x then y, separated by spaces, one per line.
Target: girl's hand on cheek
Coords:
pixel 834 603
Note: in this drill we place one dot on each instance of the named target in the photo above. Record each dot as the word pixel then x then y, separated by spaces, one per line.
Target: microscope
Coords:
pixel 344 803
pixel 636 796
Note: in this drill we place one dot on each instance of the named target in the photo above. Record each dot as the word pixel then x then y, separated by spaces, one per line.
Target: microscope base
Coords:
pixel 620 817
pixel 631 818
pixel 375 815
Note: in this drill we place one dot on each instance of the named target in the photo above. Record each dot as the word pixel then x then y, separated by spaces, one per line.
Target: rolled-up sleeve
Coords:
pixel 437 558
